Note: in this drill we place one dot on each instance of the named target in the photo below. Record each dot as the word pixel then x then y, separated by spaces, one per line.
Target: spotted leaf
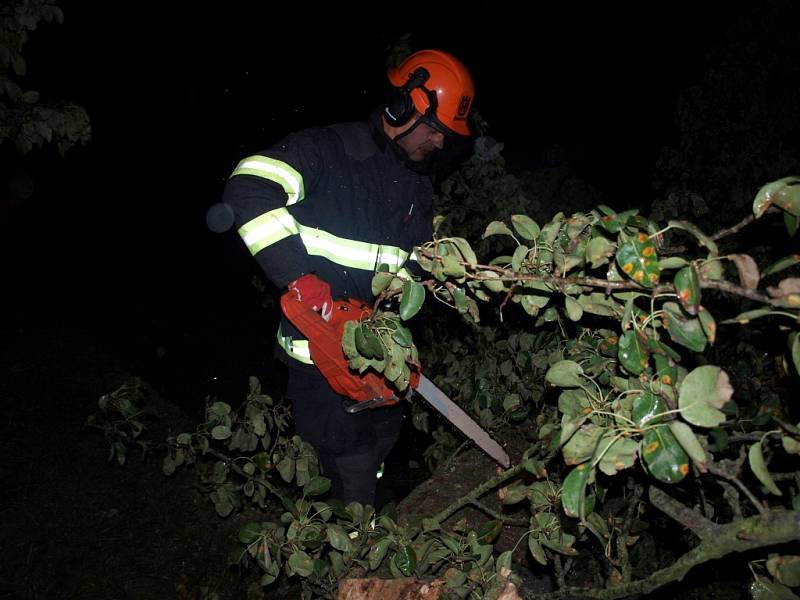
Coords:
pixel 663 455
pixel 638 259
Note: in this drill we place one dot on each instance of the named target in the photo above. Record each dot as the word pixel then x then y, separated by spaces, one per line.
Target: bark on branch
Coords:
pixel 763 530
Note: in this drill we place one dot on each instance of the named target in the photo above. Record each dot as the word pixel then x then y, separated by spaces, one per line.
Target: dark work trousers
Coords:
pixel 351 447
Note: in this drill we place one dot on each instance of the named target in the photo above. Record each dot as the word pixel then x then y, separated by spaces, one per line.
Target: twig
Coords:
pixel 701 490
pixel 477 492
pixel 740 225
pixel 500 517
pixel 714 469
pixel 561 283
pixel 732 497
pixel 560 578
pixel 746 437
pixel 271 488
pixel 732 288
pixel 688 517
pixel 486 486
pixel 734 228
pixel 622 540
pixel 441 468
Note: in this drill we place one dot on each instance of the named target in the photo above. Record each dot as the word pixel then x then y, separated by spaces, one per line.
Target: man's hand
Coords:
pixel 310 289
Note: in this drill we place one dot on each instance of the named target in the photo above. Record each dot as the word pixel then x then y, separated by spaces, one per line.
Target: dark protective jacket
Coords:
pixel 337 201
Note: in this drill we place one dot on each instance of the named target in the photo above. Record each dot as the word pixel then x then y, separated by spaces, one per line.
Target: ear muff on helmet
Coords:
pixel 400 107
pixel 444 97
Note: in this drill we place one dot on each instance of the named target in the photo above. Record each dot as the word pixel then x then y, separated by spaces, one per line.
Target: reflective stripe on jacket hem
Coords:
pixel 297 349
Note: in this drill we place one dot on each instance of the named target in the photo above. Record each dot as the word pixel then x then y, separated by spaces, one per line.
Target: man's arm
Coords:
pixel 261 191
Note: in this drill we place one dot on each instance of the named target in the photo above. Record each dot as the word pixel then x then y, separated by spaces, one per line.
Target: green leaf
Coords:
pixel 648 409
pixel 748 270
pixel 598 250
pixel 453 267
pixel 638 260
pixel 711 269
pixel 286 468
pixel 702 238
pixel 783 193
pixel 755 457
pixel 519 255
pixel 690 444
pixel 349 339
pixel 573 402
pixel 490 531
pixel 525 226
pixel 684 330
pixel 672 262
pixel 536 550
pixel 511 402
pixel 492 281
pixel 455 579
pixel 573 308
pixel 467 253
pixel 745 317
pixel 405 560
pixel 573 491
pixel 516 492
pixel 583 443
pixel 338 538
pixel 367 343
pixel 378 551
pixel 794 348
pixel 503 565
pixel 783 263
pixel 250 533
pixel 496 228
pixel 413 297
pixel 785 569
pixel 301 563
pixel 459 299
pixel 708 324
pixel 663 455
pixel 792 223
pixel 615 453
pixel 402 336
pixel 687 286
pixel 221 432
pixel 565 373
pixel 633 352
pixel 317 486
pixel 380 281
pixel 614 223
pixel 703 393
pixel 764 589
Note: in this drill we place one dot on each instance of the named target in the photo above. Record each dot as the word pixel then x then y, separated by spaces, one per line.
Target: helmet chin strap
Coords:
pixel 425 166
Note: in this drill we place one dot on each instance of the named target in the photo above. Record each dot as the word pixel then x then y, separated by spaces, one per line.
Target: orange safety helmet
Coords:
pixel 437 85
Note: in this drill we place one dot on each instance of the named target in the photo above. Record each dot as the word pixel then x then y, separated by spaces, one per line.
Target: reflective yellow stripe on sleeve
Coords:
pixel 275 170
pixel 277 224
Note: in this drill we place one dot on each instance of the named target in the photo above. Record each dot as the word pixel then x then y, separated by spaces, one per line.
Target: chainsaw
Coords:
pixel 370 389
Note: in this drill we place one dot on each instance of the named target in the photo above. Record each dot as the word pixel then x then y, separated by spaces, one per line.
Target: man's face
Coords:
pixel 421 141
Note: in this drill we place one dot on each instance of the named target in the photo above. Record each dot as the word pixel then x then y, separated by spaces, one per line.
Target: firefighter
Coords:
pixel 326 208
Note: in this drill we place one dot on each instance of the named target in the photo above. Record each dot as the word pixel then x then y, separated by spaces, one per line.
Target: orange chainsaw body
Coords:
pixel 325 345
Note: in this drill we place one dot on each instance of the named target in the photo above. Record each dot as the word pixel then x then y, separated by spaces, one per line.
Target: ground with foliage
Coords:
pixel 78 527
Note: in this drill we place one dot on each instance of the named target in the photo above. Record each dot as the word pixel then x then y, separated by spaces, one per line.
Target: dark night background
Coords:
pixel 114 235
pixel 113 241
